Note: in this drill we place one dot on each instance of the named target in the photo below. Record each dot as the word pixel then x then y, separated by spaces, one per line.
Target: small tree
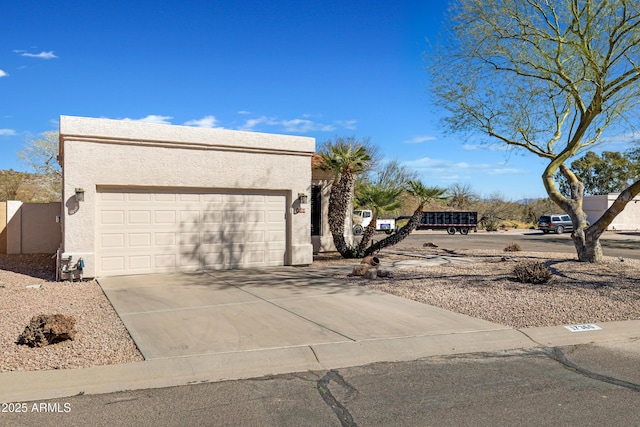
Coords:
pixel 461 196
pixel 549 77
pixel 346 158
pixel 609 173
pixel 10 183
pixel 424 195
pixel 41 155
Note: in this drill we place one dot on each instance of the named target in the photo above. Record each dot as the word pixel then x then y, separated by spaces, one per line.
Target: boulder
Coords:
pixel 371 274
pixel 48 329
pixel 360 270
pixel 384 273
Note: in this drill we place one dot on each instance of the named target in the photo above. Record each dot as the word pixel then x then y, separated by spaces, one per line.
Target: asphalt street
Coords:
pixel 584 385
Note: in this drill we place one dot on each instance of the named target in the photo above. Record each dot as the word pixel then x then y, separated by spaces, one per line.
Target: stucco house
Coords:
pixel 144 198
pixel 627 220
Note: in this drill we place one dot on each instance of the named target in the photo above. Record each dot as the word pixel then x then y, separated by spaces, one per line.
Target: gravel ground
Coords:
pixel 101 337
pixel 578 293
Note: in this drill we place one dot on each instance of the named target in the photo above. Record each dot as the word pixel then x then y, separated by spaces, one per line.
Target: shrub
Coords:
pixel 532 272
pixel 491 224
pixel 513 247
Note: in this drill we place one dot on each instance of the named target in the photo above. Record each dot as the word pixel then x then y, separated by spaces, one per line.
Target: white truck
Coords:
pixel 362 218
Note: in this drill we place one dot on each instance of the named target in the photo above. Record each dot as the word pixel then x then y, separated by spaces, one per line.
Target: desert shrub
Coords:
pixel 491 224
pixel 513 247
pixel 532 272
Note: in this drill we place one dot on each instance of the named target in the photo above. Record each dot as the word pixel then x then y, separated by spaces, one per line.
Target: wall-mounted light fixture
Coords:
pixel 80 194
pixel 303 198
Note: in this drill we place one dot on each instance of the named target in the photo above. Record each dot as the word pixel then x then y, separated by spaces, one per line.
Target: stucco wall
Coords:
pixel 32 228
pixel 101 152
pixel 627 220
pixel 3 227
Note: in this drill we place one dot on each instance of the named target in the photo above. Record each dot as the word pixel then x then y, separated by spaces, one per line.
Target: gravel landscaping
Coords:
pixel 485 288
pixel 101 337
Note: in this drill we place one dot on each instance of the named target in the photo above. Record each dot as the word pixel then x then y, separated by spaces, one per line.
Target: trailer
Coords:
pixel 450 221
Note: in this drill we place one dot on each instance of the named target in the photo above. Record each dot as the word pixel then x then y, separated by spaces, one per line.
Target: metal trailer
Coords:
pixel 450 221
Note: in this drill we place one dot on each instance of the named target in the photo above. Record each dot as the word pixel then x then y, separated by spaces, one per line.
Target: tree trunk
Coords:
pixel 399 236
pixel 366 237
pixel 339 201
pixel 586 239
pixel 587 243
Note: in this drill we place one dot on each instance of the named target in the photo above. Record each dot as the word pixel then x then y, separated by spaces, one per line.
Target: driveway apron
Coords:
pixel 191 314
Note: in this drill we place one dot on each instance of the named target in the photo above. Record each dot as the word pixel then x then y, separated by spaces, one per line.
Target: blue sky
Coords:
pixel 309 68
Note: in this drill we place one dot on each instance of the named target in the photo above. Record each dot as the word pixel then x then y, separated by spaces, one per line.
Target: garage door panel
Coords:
pixel 140 240
pixel 189 217
pixel 164 239
pixel 112 217
pixel 234 216
pixel 140 262
pixel 189 238
pixel 139 217
pixel 166 261
pixel 113 240
pixel 212 217
pixel 159 231
pixel 189 197
pixel 139 197
pixel 164 217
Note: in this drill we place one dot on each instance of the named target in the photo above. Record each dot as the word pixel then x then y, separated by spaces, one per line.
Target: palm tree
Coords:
pixel 346 158
pixel 424 194
pixel 379 199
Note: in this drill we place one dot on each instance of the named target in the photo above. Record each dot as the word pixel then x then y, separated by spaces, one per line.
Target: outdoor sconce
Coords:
pixel 79 194
pixel 303 198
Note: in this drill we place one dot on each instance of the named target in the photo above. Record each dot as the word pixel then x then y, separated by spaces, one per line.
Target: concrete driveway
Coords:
pixel 178 315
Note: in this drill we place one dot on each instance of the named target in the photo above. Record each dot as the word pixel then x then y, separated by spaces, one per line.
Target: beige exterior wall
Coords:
pixel 3 227
pixel 112 153
pixel 32 227
pixel 627 220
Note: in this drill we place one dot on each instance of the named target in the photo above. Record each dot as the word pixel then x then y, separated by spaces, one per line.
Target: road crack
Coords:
pixel 556 354
pixel 338 408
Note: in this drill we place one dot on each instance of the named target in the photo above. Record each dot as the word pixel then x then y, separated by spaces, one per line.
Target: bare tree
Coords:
pixel 548 77
pixel 41 155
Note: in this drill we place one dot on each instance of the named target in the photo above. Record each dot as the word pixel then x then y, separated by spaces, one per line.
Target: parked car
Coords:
pixel 558 223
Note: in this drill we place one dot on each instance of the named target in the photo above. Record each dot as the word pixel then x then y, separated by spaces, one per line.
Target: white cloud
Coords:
pixel 161 120
pixel 205 122
pixel 41 55
pixel 243 112
pixel 490 147
pixel 297 125
pixel 347 124
pixel 446 169
pixel 420 139
pixel 7 132
pixel 3 73
pixel 303 126
pixel 250 124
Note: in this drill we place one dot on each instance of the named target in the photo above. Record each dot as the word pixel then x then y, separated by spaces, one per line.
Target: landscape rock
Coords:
pixel 360 270
pixel 48 329
pixel 430 245
pixel 371 274
pixel 385 273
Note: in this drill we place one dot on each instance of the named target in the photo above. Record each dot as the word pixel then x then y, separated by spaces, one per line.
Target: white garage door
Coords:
pixel 151 231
